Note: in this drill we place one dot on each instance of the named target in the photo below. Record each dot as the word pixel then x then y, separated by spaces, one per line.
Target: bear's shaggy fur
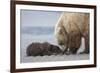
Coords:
pixel 41 49
pixel 69 30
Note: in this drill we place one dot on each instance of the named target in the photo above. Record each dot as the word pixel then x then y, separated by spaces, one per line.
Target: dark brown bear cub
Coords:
pixel 41 49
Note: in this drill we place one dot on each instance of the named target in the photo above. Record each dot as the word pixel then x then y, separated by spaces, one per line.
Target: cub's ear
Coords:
pixel 50 47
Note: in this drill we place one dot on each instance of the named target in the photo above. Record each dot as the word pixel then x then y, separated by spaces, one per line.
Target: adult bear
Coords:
pixel 41 49
pixel 69 30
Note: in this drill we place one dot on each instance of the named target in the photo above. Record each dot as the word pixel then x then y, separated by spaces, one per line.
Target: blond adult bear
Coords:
pixel 69 30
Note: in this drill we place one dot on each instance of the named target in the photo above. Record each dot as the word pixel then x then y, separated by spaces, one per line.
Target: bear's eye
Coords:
pixel 60 32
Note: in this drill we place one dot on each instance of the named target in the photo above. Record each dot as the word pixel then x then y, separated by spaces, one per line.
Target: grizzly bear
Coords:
pixel 41 49
pixel 69 30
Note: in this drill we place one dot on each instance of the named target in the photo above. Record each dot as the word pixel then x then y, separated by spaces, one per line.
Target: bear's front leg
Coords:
pixel 86 42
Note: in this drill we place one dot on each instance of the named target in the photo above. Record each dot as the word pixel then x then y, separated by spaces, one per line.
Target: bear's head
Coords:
pixel 62 38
